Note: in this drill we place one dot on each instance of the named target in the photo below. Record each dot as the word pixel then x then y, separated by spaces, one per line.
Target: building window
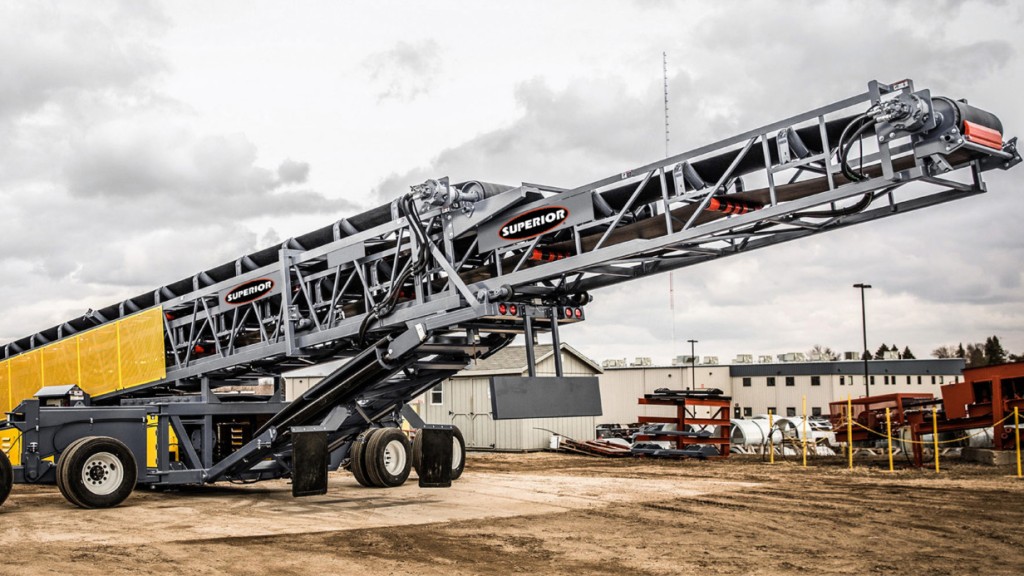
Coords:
pixel 816 411
pixel 842 380
pixel 771 380
pixel 942 379
pixel 933 379
pixel 919 380
pixel 791 411
pixel 790 381
pixel 872 380
pixel 437 395
pixel 772 410
pixel 748 412
pixel 736 411
pixel 815 380
pixel 746 382
pixel 885 380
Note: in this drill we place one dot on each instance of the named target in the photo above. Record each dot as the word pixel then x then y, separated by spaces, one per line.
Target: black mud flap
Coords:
pixel 309 461
pixel 435 460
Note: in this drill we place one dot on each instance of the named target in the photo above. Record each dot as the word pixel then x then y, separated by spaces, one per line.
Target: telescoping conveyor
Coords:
pixel 413 291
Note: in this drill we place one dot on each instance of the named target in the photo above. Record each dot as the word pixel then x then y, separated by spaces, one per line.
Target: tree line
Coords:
pixel 826 352
pixel 975 355
pixel 979 354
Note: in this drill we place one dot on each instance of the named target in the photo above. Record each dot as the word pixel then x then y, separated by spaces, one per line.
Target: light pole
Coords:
pixel 693 366
pixel 864 329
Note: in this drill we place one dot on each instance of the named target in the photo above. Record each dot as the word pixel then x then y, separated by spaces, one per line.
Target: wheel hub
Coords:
pixel 394 457
pixel 97 472
pixel 102 473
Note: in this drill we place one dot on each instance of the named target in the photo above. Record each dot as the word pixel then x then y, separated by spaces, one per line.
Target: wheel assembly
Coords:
pixel 458 453
pixel 388 458
pixel 6 477
pixel 357 461
pixel 96 472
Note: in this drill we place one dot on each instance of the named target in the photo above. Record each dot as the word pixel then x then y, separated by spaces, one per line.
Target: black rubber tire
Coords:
pixel 357 464
pixel 62 471
pixel 417 450
pixel 6 477
pixel 460 452
pixel 376 457
pixel 100 457
pixel 460 466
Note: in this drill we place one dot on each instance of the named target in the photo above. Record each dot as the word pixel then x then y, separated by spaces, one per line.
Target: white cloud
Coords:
pixel 406 70
pixel 139 147
pixel 109 186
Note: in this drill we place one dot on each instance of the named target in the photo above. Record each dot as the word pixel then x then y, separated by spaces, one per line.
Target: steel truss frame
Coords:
pixel 447 312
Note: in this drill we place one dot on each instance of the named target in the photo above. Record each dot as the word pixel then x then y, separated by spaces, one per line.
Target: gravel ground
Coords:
pixel 547 514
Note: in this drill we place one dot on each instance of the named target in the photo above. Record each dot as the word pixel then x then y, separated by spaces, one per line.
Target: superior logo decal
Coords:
pixel 249 291
pixel 533 223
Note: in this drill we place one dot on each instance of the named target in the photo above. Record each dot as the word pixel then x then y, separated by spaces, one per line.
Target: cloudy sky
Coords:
pixel 142 142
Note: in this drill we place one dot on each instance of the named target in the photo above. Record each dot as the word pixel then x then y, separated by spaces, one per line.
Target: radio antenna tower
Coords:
pixel 664 70
pixel 671 282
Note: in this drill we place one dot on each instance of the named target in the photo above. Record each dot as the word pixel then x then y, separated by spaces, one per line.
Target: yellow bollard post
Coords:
pixel 849 428
pixel 935 436
pixel 1016 428
pixel 805 432
pixel 888 437
pixel 771 446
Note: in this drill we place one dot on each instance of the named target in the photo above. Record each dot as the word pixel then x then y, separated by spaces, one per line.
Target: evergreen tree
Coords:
pixel 880 353
pixel 994 353
pixel 960 353
pixel 907 354
pixel 976 356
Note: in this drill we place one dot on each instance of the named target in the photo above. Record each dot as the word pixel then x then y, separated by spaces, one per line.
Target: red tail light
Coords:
pixel 579 313
pixel 513 309
pixel 198 349
pixel 503 308
pixel 568 312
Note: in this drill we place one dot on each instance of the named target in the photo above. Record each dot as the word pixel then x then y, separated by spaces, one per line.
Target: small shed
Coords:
pixel 465 401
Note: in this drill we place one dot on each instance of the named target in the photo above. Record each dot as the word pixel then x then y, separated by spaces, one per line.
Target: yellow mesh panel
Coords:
pixel 60 362
pixel 142 348
pixel 97 351
pixel 26 375
pixel 5 390
pixel 122 354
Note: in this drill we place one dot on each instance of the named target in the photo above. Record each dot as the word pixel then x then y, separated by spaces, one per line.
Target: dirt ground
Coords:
pixel 547 514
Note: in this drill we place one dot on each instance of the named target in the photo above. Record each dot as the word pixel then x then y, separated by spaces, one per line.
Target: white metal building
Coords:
pixel 465 401
pixel 780 387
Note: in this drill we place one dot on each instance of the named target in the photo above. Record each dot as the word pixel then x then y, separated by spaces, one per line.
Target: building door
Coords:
pixel 471 412
pixel 483 424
